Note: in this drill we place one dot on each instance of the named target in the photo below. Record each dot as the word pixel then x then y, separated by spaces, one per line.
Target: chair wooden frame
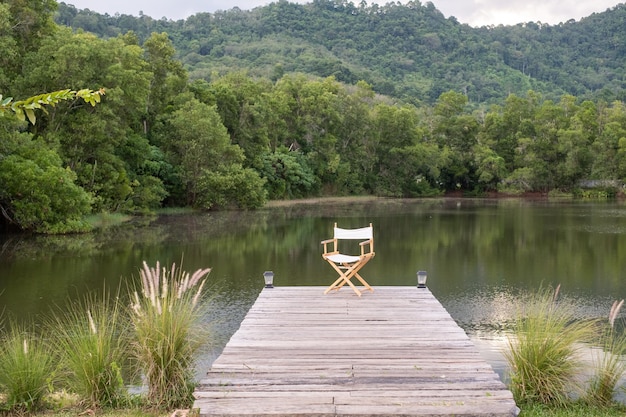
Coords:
pixel 348 266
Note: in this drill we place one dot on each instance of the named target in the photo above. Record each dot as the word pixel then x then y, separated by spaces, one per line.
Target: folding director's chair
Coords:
pixel 348 266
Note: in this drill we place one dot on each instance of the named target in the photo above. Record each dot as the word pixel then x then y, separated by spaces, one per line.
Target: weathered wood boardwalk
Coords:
pixel 393 352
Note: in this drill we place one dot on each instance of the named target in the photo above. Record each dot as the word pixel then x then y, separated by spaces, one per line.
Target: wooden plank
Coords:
pixel 392 352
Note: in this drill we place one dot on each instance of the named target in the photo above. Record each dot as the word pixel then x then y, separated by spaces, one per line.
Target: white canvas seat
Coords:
pixel 348 266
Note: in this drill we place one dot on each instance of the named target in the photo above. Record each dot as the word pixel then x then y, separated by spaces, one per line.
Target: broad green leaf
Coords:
pixel 19 113
pixel 31 115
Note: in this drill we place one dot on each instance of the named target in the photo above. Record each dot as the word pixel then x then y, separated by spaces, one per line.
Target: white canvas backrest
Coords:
pixel 362 233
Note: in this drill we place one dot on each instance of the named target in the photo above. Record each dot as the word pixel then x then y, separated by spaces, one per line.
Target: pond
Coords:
pixel 480 255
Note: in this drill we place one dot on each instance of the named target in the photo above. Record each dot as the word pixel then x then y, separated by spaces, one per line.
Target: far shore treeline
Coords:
pixel 201 113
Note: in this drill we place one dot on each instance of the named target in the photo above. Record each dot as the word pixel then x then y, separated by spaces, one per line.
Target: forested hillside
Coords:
pixel 407 51
pixel 228 110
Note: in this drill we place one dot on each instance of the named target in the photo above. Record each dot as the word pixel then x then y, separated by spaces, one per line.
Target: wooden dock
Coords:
pixel 393 352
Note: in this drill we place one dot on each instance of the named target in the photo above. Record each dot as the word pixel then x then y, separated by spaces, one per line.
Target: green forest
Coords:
pixel 231 109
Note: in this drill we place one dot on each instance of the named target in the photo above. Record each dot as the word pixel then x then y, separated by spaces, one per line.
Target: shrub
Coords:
pixel 166 316
pixel 90 338
pixel 543 353
pixel 609 363
pixel 27 369
pixel 38 193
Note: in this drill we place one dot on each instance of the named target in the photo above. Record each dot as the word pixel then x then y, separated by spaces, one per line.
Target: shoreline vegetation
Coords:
pixel 83 358
pixel 105 219
pixel 588 194
pixel 49 376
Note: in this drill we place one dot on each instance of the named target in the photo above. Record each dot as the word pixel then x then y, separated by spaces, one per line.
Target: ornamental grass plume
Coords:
pixel 166 318
pixel 609 362
pixel 27 369
pixel 544 351
pixel 93 344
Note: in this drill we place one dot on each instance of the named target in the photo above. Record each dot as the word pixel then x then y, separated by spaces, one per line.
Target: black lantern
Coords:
pixel 268 276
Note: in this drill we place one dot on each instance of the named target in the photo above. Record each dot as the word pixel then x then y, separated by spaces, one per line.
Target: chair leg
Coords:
pixel 340 282
pixel 346 276
pixel 335 285
pixel 365 284
pixel 354 288
pixel 353 271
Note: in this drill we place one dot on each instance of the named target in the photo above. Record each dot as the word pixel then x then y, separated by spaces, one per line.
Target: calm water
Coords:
pixel 479 254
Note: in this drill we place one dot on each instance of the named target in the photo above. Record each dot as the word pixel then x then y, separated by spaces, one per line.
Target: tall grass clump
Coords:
pixel 27 369
pixel 166 318
pixel 90 335
pixel 543 352
pixel 609 365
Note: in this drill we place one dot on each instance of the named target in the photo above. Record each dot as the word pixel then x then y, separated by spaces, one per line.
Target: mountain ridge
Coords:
pixel 411 52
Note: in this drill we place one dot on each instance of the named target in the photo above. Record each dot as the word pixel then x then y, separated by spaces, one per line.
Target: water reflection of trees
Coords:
pixel 466 245
pixel 37 246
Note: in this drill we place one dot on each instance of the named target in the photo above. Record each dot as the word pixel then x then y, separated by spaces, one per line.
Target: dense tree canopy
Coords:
pixel 306 117
pixel 410 51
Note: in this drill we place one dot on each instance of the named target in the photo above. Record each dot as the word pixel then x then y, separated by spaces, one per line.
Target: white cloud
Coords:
pixel 495 12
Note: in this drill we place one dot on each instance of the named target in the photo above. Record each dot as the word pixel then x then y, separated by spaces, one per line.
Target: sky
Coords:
pixel 472 12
